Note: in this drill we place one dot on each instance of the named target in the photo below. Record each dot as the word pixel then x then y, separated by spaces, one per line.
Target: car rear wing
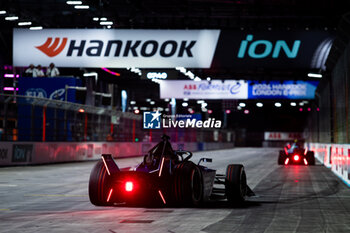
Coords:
pixel 110 164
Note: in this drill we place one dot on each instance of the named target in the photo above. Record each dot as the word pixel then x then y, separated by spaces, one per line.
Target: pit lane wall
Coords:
pixel 27 153
pixel 334 156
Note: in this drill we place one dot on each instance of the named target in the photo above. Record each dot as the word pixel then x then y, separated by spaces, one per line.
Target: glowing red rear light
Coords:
pixel 296 157
pixel 129 186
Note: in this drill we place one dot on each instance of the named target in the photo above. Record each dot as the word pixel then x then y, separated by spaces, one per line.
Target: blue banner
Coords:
pixel 30 120
pixel 284 90
pixel 51 88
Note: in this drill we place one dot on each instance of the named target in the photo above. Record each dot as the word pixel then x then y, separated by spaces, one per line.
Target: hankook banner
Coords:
pixel 171 48
pixel 237 89
pixel 115 48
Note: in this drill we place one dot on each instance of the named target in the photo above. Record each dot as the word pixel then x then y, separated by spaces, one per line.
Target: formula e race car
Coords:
pixel 295 153
pixel 166 178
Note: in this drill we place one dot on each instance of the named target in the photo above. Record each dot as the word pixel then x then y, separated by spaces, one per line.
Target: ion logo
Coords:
pixel 268 47
pixel 52 49
pixel 151 120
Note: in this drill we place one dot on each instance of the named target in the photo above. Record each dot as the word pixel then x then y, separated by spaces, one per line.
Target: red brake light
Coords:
pixel 129 186
pixel 296 157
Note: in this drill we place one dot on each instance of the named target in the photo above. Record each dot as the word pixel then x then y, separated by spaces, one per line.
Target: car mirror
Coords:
pixel 207 160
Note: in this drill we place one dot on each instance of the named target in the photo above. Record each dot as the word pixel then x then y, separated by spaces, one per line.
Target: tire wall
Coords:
pixel 25 153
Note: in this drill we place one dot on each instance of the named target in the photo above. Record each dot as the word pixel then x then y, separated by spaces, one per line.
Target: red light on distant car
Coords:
pixel 129 186
pixel 296 157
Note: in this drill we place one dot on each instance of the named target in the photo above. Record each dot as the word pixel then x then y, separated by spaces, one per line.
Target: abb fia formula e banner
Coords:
pixel 282 136
pixel 115 48
pixel 229 89
pixel 237 89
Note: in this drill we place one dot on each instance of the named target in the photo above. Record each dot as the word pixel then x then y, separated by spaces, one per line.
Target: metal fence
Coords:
pixel 24 118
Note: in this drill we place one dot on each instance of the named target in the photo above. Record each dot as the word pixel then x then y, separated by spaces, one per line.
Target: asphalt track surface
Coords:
pixel 54 198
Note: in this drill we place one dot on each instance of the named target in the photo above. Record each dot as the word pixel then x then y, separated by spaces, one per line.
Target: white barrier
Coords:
pixel 334 156
pixel 23 153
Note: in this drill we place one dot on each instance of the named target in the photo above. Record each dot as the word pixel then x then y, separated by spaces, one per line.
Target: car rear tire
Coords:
pixel 281 158
pixel 310 157
pixel 188 184
pixel 235 183
pixel 98 185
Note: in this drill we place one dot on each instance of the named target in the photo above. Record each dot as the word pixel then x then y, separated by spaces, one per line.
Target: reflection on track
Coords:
pixel 54 198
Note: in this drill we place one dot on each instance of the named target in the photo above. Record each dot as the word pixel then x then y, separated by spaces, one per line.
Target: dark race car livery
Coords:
pixel 165 177
pixel 295 153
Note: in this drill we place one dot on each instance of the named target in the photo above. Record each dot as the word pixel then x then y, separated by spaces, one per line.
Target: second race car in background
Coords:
pixel 295 153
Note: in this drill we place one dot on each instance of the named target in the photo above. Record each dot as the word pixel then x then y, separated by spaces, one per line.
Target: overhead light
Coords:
pixel 24 23
pixel 239 107
pixel 82 7
pixel 152 102
pixel 2 12
pixel 135 107
pixel 184 104
pixel 228 111
pixel 197 79
pixel 95 18
pixel 36 28
pixel 208 78
pixel 166 100
pixel 90 74
pixel 204 105
pixel 242 105
pixel 132 102
pixel 109 26
pixel 312 75
pixel 293 104
pixel 200 101
pixel 246 111
pixel 259 105
pixel 103 19
pixel 301 104
pixel 185 99
pixel 74 2
pixel 277 104
pixel 106 23
pixel 148 100
pixel 11 18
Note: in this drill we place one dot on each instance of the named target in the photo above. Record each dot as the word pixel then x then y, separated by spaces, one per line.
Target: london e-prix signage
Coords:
pixel 237 89
pixel 170 48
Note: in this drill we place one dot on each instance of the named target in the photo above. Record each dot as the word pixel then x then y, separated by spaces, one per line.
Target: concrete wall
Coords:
pixel 334 156
pixel 24 153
